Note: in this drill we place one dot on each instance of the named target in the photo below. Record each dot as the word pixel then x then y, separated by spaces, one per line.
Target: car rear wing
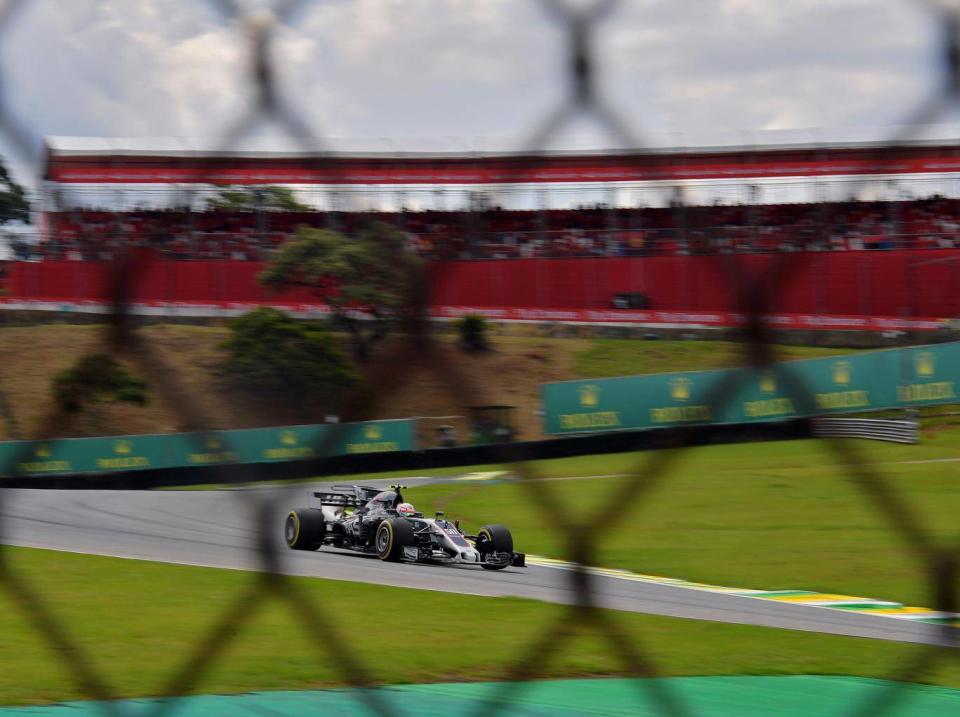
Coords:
pixel 351 496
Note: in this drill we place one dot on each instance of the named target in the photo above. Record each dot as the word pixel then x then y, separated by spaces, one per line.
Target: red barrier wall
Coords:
pixel 889 283
pixel 193 281
pixel 927 283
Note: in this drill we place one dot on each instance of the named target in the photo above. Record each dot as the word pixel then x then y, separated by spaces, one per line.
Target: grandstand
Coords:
pixel 84 235
pixel 506 231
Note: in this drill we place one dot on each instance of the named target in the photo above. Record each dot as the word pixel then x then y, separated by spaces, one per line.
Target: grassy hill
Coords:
pixel 435 379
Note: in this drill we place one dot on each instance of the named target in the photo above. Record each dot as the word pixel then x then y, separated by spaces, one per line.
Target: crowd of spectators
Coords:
pixel 501 234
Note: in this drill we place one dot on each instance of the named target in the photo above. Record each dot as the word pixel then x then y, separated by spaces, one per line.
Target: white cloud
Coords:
pixel 470 68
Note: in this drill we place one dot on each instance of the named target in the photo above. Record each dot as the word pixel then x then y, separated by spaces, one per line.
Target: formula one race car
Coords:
pixel 368 520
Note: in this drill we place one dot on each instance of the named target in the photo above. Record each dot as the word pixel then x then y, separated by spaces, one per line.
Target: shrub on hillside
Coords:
pixel 473 332
pixel 97 379
pixel 277 358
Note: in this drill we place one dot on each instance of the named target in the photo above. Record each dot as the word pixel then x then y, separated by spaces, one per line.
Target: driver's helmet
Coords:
pixel 406 509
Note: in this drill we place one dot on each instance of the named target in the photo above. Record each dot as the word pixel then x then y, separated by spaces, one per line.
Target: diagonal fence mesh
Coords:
pixel 581 25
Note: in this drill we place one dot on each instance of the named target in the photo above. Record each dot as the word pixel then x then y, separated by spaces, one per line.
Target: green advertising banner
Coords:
pixel 180 450
pixel 196 450
pixel 373 437
pixel 40 458
pixel 870 380
pixel 273 445
pixel 85 455
pixel 300 442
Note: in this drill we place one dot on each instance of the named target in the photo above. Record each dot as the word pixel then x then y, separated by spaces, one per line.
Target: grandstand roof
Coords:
pixel 101 160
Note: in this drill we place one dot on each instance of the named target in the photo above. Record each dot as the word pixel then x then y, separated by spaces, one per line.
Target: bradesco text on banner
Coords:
pixel 862 381
pixel 183 450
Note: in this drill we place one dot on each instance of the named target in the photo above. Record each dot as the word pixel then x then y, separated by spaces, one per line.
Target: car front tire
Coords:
pixel 493 539
pixel 391 537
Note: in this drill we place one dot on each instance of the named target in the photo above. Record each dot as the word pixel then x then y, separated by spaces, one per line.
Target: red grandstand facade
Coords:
pixel 71 163
pixel 891 260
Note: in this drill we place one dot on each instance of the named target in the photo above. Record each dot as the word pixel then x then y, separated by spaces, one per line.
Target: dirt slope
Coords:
pixel 179 362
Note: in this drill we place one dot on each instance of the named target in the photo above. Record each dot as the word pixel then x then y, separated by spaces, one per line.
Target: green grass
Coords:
pixel 625 357
pixel 137 623
pixel 782 515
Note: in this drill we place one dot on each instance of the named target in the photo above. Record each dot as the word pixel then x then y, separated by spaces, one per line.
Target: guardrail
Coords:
pixel 879 429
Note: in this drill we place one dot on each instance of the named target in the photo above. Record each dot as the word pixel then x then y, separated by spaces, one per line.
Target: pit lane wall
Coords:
pixel 867 381
pixel 191 450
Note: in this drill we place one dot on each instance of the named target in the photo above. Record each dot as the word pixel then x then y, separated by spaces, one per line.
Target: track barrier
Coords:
pixel 866 381
pixel 879 429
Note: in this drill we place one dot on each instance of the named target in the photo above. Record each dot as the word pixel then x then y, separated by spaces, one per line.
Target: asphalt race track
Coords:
pixel 222 529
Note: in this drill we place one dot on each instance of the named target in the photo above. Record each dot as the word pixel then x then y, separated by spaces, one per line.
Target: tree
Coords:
pixel 369 281
pixel 270 354
pixel 97 379
pixel 252 199
pixel 13 199
pixel 473 333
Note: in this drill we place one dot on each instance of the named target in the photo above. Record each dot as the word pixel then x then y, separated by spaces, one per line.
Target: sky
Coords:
pixel 472 75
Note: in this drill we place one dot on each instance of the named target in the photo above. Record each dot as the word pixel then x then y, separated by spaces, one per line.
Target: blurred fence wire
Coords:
pixel 580 24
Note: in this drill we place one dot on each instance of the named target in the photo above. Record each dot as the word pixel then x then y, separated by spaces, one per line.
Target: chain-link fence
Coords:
pixel 582 101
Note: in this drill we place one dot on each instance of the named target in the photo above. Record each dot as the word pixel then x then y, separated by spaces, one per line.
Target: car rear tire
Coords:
pixel 304 529
pixel 493 539
pixel 391 537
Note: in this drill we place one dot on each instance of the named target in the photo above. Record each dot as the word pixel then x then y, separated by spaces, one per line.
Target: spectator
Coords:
pixel 220 235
